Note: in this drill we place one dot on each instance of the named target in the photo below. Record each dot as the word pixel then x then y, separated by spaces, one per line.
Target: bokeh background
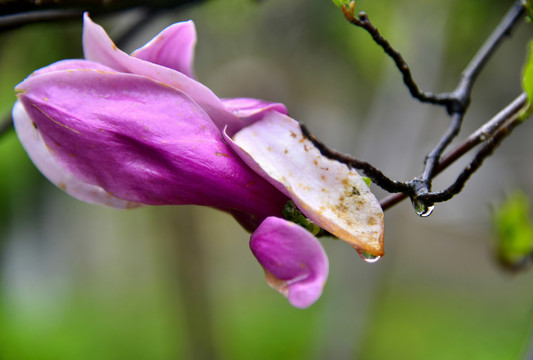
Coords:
pixel 78 281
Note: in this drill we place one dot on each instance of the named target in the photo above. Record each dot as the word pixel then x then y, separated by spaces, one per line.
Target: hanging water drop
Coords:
pixel 426 211
pixel 422 209
pixel 367 257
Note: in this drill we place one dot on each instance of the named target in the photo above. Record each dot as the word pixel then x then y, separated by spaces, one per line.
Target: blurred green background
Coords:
pixel 79 281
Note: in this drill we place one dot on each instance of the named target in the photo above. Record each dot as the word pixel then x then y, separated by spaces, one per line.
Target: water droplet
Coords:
pixel 422 209
pixel 426 211
pixel 367 257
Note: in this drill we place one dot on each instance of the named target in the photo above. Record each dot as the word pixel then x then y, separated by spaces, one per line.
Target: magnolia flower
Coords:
pixel 131 130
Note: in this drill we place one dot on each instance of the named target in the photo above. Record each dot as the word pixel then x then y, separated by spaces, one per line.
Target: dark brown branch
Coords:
pixel 462 94
pixel 14 13
pixel 455 102
pixel 474 165
pixel 368 170
pixel 363 21
pixel 10 7
pixel 508 115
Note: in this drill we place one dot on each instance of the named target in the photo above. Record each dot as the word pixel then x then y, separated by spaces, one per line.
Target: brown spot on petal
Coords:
pixel 221 154
pixel 293 135
pixel 62 186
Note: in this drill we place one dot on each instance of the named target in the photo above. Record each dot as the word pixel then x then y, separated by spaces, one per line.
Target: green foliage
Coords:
pixel 339 3
pixel 291 213
pixel 514 231
pixel 527 4
pixel 527 83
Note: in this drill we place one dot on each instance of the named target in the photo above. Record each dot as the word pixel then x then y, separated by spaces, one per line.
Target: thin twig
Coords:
pixel 455 102
pixel 479 136
pixel 363 21
pixel 487 150
pixel 462 94
pixel 366 168
pixel 14 14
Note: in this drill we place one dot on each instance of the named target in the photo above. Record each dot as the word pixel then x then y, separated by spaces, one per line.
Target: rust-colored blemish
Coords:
pixel 62 186
pixel 221 154
pixel 293 135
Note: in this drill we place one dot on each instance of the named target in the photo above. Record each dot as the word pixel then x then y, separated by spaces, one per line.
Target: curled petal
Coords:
pixel 251 110
pixel 141 141
pixel 329 193
pixel 42 158
pixel 172 48
pixel 294 261
pixel 71 65
pixel 98 47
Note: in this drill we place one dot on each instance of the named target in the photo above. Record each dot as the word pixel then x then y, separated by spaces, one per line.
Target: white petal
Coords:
pixel 326 191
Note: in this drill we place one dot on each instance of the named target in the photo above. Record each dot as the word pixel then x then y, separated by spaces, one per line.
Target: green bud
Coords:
pixel 514 232
pixel 340 3
pixel 291 213
pixel 527 83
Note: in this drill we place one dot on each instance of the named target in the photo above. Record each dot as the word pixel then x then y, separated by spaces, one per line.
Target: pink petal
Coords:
pixel 141 141
pixel 42 158
pixel 294 261
pixel 326 191
pixel 172 48
pixel 71 65
pixel 251 110
pixel 98 47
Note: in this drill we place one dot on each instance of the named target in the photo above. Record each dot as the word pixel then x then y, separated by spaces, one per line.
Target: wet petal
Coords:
pixel 251 110
pixel 38 152
pixel 326 191
pixel 98 47
pixel 172 48
pixel 141 141
pixel 294 261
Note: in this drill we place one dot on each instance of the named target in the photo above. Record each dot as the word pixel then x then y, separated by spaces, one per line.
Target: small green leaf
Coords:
pixel 527 4
pixel 291 213
pixel 340 3
pixel 527 83
pixel 514 232
pixel 367 181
